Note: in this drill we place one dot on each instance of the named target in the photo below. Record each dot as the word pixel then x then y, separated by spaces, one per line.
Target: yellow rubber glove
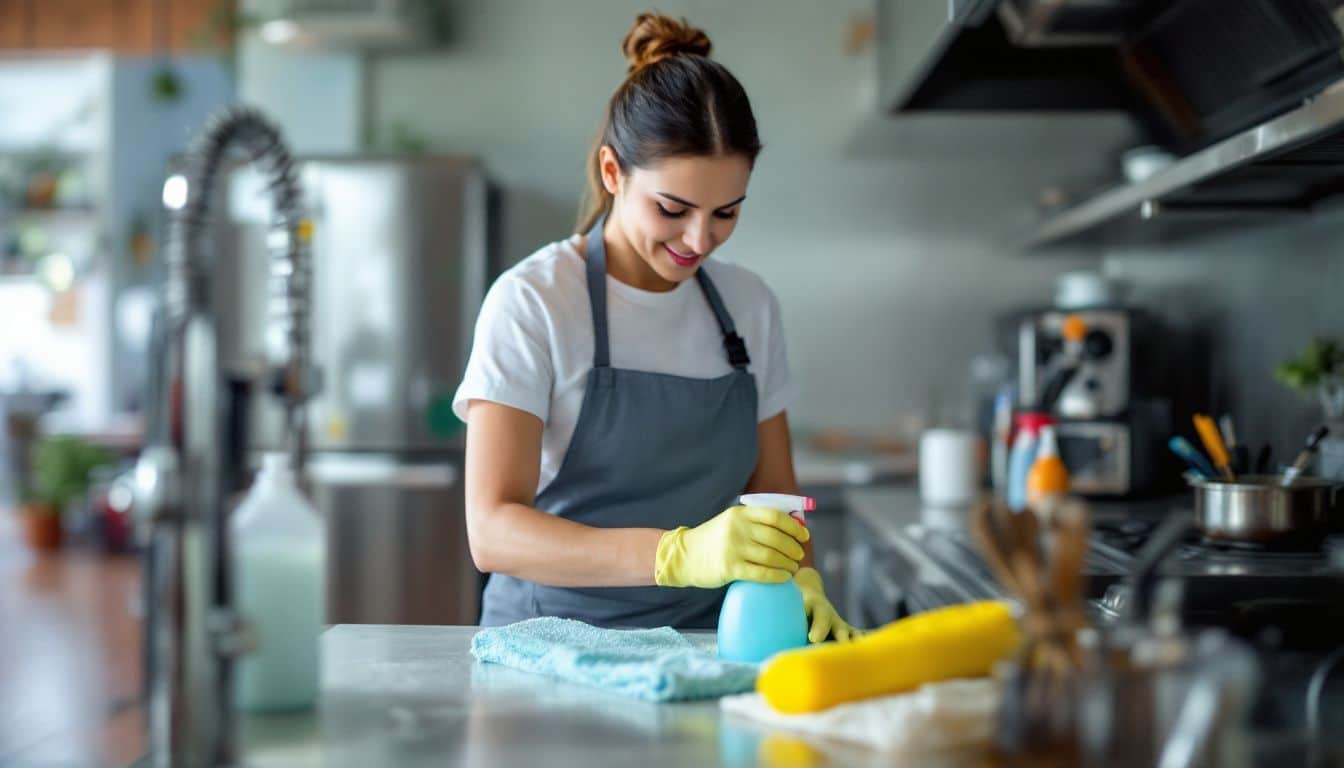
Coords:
pixel 823 621
pixel 738 544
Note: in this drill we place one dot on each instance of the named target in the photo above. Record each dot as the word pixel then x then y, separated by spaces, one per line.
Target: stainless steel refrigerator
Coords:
pixel 399 270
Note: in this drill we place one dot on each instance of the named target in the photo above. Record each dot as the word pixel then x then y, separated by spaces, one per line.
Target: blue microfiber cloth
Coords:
pixel 650 664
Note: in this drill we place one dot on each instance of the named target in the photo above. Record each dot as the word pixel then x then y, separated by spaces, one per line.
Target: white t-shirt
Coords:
pixel 533 346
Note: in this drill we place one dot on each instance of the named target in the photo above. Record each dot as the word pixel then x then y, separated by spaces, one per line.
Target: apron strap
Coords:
pixel 596 251
pixel 737 348
pixel 596 269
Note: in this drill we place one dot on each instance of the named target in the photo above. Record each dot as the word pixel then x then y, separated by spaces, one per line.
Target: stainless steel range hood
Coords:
pixel 1287 165
pixel 1192 72
pixel 1243 91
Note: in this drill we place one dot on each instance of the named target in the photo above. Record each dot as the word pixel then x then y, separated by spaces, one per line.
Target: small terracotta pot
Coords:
pixel 41 527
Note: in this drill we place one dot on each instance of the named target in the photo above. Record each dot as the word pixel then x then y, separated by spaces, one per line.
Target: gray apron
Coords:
pixel 650 450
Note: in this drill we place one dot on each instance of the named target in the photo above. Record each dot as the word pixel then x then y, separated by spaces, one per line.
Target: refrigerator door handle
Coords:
pixel 382 471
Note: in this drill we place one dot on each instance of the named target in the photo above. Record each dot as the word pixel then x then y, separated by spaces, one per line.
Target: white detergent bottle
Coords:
pixel 279 548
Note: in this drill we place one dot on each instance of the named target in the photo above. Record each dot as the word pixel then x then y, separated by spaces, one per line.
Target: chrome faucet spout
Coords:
pixel 184 475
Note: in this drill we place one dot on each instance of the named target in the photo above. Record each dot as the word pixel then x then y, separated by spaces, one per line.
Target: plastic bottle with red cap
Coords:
pixel 1023 455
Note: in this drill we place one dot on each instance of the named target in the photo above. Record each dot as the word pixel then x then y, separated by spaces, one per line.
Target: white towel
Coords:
pixel 954 714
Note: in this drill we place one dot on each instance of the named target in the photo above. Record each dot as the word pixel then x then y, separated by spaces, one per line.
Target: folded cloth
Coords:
pixel 650 664
pixel 953 714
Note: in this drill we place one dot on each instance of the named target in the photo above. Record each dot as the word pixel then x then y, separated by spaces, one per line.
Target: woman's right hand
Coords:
pixel 738 544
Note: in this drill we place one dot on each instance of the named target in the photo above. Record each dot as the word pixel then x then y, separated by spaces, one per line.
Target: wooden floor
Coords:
pixel 69 656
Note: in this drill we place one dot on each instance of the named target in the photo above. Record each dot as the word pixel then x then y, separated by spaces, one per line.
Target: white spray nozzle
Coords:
pixel 784 502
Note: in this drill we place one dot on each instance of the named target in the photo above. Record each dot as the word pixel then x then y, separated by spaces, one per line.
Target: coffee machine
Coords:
pixel 1100 372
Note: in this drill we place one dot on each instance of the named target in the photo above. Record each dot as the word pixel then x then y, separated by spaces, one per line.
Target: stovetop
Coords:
pixel 1287 598
pixel 1200 557
pixel 1289 606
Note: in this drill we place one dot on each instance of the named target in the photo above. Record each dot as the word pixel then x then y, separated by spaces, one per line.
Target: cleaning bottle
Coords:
pixel 279 546
pixel 759 620
pixel 1048 476
pixel 1024 455
pixel 1001 442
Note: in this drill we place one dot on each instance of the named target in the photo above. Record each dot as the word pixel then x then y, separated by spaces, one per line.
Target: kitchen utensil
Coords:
pixel 1240 453
pixel 1262 459
pixel 949 467
pixel 1045 672
pixel 1304 458
pixel 1213 443
pixel 1182 447
pixel 1228 430
pixel 1261 509
pixel 1241 459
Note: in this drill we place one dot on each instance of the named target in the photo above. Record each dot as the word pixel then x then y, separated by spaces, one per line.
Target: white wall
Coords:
pixel 315 96
pixel 890 244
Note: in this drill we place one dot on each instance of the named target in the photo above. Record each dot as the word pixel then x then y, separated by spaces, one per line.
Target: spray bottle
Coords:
pixel 759 620
pixel 1049 476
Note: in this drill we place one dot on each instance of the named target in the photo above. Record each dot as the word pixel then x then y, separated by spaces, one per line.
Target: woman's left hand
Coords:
pixel 823 620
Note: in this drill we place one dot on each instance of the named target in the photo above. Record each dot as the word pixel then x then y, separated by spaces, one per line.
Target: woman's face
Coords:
pixel 677 211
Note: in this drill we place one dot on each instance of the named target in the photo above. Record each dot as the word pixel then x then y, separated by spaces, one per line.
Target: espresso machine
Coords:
pixel 1102 372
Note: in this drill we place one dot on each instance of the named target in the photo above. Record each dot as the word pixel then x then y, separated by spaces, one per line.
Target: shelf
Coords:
pixel 1286 166
pixel 87 216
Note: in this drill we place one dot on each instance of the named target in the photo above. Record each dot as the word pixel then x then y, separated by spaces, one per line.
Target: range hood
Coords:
pixel 1243 91
pixel 1286 165
pixel 1192 71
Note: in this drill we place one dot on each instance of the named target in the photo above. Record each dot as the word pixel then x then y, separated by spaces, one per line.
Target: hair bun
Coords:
pixel 655 37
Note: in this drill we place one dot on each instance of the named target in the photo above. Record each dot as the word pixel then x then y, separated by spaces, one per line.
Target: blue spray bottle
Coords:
pixel 759 620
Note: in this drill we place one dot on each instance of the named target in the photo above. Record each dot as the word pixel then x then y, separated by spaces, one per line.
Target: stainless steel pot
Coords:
pixel 1260 509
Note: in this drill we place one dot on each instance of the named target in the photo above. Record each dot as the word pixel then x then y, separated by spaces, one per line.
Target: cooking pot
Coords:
pixel 1261 509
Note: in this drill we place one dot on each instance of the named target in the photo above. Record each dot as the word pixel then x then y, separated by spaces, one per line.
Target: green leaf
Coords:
pixel 1323 358
pixel 62 467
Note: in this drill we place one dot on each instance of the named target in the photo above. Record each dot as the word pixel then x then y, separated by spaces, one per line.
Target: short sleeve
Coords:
pixel 510 360
pixel 778 389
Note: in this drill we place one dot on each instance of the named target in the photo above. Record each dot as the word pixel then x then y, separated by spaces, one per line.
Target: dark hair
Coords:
pixel 675 101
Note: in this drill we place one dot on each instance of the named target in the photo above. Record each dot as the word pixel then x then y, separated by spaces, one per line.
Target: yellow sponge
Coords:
pixel 958 641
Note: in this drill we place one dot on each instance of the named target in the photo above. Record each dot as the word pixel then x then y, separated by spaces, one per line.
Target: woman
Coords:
pixel 614 412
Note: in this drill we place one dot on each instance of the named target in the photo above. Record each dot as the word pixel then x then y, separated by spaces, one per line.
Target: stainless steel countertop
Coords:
pixel 413 695
pixel 888 508
pixel 816 468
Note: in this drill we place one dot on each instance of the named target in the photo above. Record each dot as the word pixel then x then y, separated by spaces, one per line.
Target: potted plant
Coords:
pixel 61 467
pixel 1319 369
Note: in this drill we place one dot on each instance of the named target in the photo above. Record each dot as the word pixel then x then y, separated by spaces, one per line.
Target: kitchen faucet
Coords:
pixel 196 441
